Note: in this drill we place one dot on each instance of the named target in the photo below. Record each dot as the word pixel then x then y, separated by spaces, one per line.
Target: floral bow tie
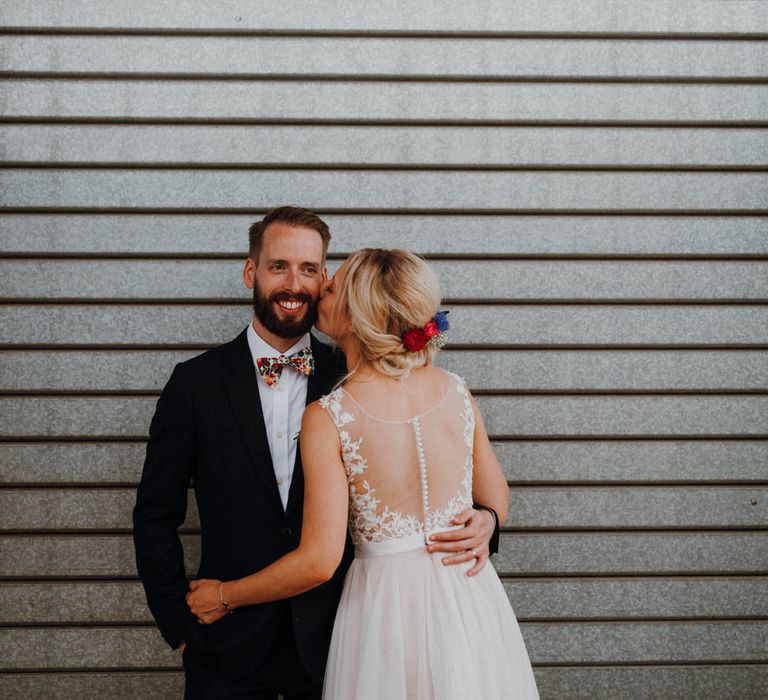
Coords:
pixel 272 367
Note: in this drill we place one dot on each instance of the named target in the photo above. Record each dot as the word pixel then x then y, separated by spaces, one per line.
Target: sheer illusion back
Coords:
pixel 407 477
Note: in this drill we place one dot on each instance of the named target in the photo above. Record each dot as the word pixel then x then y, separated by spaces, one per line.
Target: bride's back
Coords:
pixel 407 451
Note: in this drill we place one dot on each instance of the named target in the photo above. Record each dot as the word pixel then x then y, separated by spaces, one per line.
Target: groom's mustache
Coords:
pixel 292 296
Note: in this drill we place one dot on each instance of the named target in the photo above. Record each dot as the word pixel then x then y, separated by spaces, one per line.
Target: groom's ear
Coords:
pixel 249 273
pixel 324 274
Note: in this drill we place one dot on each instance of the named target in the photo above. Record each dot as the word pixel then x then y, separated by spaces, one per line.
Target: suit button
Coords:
pixel 287 531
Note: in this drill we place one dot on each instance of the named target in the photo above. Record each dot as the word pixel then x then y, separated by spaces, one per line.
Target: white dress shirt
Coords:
pixel 282 405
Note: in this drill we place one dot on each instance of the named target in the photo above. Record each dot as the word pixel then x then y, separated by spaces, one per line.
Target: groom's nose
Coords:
pixel 293 283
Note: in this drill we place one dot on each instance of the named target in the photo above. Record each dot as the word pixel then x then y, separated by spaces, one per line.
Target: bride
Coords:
pixel 397 451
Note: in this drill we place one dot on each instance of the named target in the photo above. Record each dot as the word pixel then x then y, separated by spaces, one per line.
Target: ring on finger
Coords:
pixel 475 554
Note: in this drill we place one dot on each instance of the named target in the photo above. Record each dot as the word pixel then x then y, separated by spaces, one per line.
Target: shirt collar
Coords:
pixel 261 348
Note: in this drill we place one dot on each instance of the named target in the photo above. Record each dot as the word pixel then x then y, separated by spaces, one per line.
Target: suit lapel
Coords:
pixel 326 373
pixel 243 393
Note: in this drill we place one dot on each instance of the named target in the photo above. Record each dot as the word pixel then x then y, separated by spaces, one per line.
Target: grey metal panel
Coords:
pixel 743 682
pixel 639 461
pixel 638 325
pixel 194 100
pixel 382 56
pixel 524 16
pixel 92 686
pixel 500 235
pixel 52 509
pixel 562 371
pixel 506 416
pixel 61 417
pixel 88 371
pixel 114 324
pixel 394 145
pixel 628 507
pixel 630 598
pixel 92 602
pixel 202 190
pixel 568 416
pixel 97 602
pixel 602 371
pixel 683 682
pixel 658 642
pixel 547 643
pixel 601 554
pixel 522 554
pixel 530 508
pixel 77 556
pixel 66 463
pixel 502 280
pixel 524 462
pixel 732 326
pixel 129 647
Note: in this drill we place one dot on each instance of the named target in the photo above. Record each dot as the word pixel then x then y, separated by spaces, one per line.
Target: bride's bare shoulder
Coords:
pixel 432 376
pixel 316 416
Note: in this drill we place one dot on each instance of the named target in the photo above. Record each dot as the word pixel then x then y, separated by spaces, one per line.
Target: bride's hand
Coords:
pixel 469 542
pixel 204 600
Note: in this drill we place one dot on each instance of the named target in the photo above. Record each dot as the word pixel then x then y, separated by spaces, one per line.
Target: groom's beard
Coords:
pixel 264 310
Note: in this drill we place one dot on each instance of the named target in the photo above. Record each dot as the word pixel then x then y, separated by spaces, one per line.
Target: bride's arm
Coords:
pixel 489 485
pixel 323 532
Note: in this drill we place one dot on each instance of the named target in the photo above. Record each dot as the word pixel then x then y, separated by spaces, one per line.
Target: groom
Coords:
pixel 228 422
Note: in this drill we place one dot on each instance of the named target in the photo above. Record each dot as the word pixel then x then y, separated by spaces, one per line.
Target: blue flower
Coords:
pixel 441 319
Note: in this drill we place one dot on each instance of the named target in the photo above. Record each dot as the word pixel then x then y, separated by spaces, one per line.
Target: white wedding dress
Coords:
pixel 409 627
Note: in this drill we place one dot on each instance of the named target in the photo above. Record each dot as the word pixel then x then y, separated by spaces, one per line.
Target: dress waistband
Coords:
pixel 367 550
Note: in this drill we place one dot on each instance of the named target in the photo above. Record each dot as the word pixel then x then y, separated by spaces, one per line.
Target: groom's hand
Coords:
pixel 469 542
pixel 204 600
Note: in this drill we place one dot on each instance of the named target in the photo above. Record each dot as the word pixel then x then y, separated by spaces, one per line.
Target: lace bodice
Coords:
pixel 405 477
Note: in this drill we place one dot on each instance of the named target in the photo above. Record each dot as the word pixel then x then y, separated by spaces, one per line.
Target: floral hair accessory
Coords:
pixel 433 333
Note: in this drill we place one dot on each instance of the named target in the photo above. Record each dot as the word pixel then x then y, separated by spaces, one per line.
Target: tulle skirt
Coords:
pixel 409 627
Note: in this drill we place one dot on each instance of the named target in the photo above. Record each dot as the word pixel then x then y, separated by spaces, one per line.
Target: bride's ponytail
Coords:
pixel 385 294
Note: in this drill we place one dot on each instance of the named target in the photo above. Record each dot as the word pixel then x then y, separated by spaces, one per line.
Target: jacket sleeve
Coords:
pixel 161 507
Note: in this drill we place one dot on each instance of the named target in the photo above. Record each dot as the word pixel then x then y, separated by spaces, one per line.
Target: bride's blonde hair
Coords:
pixel 383 294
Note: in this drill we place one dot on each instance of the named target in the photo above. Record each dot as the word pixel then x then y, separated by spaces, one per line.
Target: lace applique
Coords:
pixel 467 414
pixel 463 499
pixel 441 519
pixel 365 525
pixel 354 462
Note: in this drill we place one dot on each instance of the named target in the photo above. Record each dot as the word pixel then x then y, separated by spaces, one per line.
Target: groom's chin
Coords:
pixel 291 327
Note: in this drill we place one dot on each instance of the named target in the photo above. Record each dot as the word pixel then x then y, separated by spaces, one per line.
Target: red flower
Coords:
pixel 415 339
pixel 431 330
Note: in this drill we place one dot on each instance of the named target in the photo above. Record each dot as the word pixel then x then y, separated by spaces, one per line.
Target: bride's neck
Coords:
pixel 351 350
pixel 360 371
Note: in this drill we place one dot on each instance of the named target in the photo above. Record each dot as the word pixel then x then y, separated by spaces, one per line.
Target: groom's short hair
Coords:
pixel 293 216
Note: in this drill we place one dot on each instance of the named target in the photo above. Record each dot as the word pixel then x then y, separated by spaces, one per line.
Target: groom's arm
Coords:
pixel 493 542
pixel 161 507
pixel 478 539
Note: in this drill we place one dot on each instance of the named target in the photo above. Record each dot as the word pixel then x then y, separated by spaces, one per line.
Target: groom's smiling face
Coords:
pixel 286 282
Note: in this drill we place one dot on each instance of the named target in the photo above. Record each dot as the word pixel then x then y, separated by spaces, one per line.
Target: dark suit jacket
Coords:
pixel 208 429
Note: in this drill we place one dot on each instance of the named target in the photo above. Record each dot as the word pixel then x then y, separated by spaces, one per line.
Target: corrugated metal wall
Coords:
pixel 590 181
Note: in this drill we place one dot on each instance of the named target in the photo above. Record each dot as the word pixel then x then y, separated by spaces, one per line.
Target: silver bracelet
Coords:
pixel 225 603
